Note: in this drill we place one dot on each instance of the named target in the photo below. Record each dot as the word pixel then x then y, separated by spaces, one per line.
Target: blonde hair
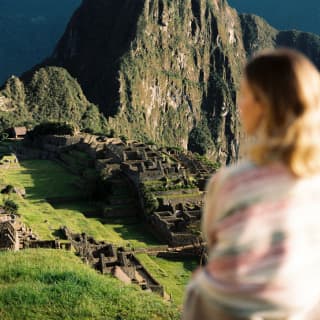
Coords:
pixel 288 86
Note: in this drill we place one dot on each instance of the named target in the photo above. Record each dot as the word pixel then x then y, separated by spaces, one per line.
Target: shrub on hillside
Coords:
pixel 123 138
pixel 151 203
pixel 10 207
pixel 200 140
pixel 51 128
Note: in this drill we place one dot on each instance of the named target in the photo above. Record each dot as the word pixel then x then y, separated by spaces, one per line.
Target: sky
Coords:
pixel 29 32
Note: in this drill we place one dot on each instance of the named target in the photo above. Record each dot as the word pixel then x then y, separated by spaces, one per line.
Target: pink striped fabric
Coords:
pixel 266 228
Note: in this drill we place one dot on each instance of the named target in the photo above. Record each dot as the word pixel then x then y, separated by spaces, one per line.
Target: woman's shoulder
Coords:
pixel 246 175
pixel 241 167
pixel 230 172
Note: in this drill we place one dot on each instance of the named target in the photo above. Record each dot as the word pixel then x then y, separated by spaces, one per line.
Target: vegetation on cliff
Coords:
pixel 51 94
pixel 170 69
pixel 308 43
pixel 257 33
pixel 162 69
pixel 200 140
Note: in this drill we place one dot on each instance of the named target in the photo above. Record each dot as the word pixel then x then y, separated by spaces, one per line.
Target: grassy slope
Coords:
pixel 45 179
pixel 55 285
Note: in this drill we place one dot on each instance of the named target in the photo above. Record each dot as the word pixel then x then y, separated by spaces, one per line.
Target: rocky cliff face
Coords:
pixel 257 33
pixel 159 68
pixel 167 70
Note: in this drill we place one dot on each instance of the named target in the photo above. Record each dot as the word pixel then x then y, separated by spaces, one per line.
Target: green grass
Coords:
pixel 43 180
pixel 55 285
pixel 46 179
pixel 76 159
pixel 173 275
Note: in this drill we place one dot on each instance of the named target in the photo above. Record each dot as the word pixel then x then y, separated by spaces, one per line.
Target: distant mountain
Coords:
pixel 284 14
pixel 165 71
pixel 29 31
pixel 258 34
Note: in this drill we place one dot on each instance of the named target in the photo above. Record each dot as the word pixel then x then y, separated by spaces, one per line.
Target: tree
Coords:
pixel 11 207
pixel 200 140
pixel 151 203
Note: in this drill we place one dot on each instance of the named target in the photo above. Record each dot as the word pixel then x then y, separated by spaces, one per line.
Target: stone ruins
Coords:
pixel 163 186
pixel 174 179
pixel 109 259
pixel 14 235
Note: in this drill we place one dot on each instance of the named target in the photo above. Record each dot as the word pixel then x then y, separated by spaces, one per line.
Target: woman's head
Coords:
pixel 280 102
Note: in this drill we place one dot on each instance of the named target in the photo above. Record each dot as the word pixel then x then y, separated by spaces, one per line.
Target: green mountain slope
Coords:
pixel 51 94
pixel 170 69
pixel 257 33
pixel 308 43
pixel 159 70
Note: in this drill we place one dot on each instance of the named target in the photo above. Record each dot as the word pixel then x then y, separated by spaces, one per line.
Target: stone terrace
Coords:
pixel 172 177
pixel 175 226
pixel 144 162
pixel 14 235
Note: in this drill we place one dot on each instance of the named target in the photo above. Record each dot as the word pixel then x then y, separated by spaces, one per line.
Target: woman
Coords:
pixel 261 217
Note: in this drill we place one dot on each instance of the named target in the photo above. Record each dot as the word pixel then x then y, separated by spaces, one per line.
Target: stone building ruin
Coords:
pixel 109 259
pixel 13 233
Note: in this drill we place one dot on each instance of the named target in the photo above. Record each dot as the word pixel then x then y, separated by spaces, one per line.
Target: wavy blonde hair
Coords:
pixel 288 86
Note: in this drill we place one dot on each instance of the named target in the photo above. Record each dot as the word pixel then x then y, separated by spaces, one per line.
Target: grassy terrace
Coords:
pixel 55 285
